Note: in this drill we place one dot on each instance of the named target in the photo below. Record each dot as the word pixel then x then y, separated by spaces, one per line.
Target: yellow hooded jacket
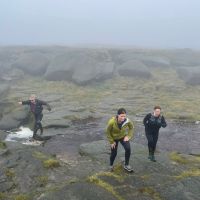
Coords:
pixel 115 133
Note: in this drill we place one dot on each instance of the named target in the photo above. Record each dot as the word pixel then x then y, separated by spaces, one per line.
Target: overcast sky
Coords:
pixel 140 23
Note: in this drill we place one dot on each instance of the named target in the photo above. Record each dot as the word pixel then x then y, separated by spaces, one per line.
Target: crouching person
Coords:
pixel 120 129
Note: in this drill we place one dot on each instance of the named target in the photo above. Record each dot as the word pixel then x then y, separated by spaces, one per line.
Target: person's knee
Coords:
pixel 151 143
pixel 114 150
pixel 128 148
pixel 128 151
pixel 150 140
pixel 114 153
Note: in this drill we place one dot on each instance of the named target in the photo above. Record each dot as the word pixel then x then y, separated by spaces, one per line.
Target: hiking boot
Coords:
pixel 150 156
pixel 31 139
pixel 128 168
pixel 111 168
pixel 153 158
pixel 40 131
pixel 34 135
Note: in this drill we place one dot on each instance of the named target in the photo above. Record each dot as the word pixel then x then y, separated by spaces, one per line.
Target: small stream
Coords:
pixel 22 135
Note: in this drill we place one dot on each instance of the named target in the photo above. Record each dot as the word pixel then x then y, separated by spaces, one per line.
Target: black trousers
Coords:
pixel 152 138
pixel 127 148
pixel 38 125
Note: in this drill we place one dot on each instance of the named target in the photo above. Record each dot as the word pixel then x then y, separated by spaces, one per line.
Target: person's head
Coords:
pixel 32 98
pixel 121 114
pixel 157 110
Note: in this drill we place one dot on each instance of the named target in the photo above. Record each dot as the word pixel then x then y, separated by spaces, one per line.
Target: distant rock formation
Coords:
pixel 32 63
pixel 81 67
pixel 191 75
pixel 86 65
pixel 134 68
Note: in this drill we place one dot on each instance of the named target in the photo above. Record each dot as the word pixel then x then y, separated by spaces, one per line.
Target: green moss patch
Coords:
pixel 3 196
pixel 97 181
pixel 174 156
pixel 51 163
pixel 151 192
pixel 42 181
pixel 39 155
pixel 2 145
pixel 9 173
pixel 22 197
pixel 189 173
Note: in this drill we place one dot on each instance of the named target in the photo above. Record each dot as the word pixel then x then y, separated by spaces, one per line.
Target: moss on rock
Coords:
pixel 51 163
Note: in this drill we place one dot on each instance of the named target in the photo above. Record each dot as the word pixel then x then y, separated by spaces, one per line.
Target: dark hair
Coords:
pixel 157 107
pixel 121 111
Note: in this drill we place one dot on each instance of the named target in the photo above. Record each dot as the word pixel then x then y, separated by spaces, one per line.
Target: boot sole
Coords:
pixel 130 171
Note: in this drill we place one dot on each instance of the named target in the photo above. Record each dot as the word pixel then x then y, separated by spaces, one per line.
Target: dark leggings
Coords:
pixel 127 148
pixel 152 139
pixel 38 124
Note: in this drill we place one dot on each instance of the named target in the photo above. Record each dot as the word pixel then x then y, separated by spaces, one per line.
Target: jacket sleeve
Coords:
pixel 145 120
pixel 46 104
pixel 163 122
pixel 26 102
pixel 131 130
pixel 108 132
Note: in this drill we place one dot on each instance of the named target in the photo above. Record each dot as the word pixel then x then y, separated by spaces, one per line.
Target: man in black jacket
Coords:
pixel 36 107
pixel 153 122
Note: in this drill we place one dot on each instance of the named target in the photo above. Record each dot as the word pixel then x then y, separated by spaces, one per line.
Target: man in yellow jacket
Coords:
pixel 120 129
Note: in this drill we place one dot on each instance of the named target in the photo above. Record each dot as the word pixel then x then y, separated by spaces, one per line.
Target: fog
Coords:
pixel 135 23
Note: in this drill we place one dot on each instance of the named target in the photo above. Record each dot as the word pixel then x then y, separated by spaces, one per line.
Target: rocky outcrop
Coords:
pixel 183 57
pixel 33 173
pixel 180 173
pixel 84 65
pixel 134 68
pixel 148 58
pixel 81 67
pixel 32 63
pixel 4 88
pixel 191 75
pixel 156 61
pixel 14 119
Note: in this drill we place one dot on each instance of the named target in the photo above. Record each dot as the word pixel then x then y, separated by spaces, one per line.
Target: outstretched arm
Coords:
pixel 24 102
pixel 48 107
pixel 46 104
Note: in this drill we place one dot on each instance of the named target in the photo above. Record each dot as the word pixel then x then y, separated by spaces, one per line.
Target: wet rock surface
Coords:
pixel 73 162
pixel 77 167
pixel 14 119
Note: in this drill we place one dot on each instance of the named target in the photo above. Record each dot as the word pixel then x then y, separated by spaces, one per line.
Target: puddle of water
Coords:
pixel 23 135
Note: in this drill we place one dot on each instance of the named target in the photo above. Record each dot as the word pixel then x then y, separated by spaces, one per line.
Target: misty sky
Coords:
pixel 139 23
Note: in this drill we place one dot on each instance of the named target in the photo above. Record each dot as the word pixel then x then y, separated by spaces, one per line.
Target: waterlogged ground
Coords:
pixel 22 134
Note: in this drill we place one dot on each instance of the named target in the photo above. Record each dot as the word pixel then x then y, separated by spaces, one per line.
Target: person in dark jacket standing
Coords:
pixel 153 122
pixel 36 107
